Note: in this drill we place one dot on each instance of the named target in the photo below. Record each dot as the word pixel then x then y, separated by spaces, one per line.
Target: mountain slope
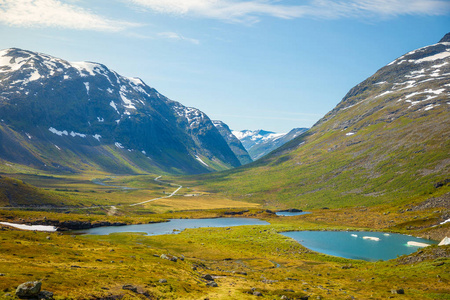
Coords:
pixel 386 141
pixel 59 115
pixel 260 142
pixel 235 145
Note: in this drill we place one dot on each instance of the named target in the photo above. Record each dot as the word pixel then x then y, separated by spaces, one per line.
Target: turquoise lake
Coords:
pixel 173 226
pixel 291 214
pixel 352 244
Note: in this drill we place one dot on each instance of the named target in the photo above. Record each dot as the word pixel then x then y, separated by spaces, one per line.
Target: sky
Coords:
pixel 254 64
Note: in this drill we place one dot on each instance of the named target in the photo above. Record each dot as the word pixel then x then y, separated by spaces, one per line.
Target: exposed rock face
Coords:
pixel 234 143
pixel 29 289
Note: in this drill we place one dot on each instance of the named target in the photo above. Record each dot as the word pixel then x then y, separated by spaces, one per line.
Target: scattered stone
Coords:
pixel 169 257
pixel 208 277
pixel 104 288
pixel 98 259
pixel 48 238
pixel 130 287
pixel 1 274
pixel 194 268
pixel 75 266
pixel 162 280
pixel 240 273
pixel 398 291
pixel 257 294
pixel 46 295
pixel 29 289
pixel 349 266
pixel 212 284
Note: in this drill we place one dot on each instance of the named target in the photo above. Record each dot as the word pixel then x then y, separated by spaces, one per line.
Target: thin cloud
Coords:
pixel 252 10
pixel 55 13
pixel 178 37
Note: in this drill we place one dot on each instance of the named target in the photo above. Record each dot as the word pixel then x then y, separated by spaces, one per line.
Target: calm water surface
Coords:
pixel 173 226
pixel 290 214
pixel 352 244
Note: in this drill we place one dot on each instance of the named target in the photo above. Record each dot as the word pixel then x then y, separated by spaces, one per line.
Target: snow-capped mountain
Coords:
pixel 234 143
pixel 260 142
pixel 52 110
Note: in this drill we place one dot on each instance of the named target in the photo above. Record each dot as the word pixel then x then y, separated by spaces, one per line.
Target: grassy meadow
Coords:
pixel 242 260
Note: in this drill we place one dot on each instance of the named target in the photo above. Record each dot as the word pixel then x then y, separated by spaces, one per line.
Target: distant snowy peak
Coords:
pixel 258 136
pixel 260 142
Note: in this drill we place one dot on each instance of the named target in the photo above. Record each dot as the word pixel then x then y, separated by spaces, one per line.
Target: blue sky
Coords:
pixel 254 64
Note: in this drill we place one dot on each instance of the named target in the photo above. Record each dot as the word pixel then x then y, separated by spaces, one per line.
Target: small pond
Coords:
pixel 370 246
pixel 173 226
pixel 290 213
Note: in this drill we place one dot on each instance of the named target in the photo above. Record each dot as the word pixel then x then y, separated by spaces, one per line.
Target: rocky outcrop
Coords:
pixel 32 290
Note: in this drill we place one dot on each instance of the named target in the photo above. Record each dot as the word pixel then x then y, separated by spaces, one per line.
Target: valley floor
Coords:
pixel 246 262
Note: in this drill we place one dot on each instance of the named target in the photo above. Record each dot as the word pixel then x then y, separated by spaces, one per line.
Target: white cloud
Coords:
pixel 252 10
pixel 176 36
pixel 55 13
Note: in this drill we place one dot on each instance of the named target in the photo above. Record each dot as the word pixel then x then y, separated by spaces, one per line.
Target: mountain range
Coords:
pixel 260 142
pixel 65 116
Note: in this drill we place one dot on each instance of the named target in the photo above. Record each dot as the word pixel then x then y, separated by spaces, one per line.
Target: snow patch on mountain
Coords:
pixel 58 132
pixel 200 160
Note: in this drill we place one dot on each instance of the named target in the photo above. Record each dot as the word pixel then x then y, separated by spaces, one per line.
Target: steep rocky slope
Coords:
pixel 58 115
pixel 234 143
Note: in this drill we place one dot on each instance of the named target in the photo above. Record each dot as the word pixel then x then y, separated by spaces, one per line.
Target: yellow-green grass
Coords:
pixel 200 202
pixel 242 258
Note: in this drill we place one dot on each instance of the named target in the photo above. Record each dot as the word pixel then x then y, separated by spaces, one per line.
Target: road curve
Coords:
pixel 157 179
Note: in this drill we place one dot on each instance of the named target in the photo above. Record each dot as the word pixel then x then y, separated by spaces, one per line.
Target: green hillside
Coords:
pixel 387 141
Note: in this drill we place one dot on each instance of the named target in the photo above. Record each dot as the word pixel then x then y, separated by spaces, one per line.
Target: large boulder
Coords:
pixel 29 289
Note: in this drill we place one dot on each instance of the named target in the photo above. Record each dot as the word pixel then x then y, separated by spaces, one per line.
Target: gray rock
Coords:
pixel 257 294
pixel 46 295
pixel 208 277
pixel 398 291
pixel 212 284
pixel 169 257
pixel 130 287
pixel 29 289
pixel 162 280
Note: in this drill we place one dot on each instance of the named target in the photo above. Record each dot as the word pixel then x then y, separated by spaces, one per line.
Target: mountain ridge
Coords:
pixel 386 141
pixel 261 142
pixel 111 122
